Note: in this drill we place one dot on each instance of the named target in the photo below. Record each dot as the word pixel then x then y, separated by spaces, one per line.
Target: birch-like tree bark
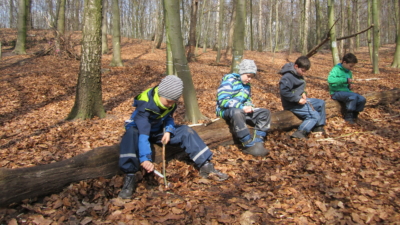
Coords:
pixel 104 40
pixel 332 32
pixel 376 43
pixel 238 36
pixel 20 46
pixel 192 111
pixel 116 35
pixel 88 99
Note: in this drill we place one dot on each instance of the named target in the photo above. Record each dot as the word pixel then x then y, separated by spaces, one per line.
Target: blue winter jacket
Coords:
pixel 232 93
pixel 150 116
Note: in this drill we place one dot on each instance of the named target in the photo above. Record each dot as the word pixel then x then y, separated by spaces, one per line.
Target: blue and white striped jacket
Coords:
pixel 232 93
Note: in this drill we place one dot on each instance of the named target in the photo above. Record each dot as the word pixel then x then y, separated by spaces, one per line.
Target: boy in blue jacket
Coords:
pixel 154 110
pixel 235 106
pixel 294 98
pixel 340 84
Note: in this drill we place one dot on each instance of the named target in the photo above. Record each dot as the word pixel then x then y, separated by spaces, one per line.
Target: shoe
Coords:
pixel 319 129
pixel 208 168
pixel 349 117
pixel 299 134
pixel 257 149
pixel 129 186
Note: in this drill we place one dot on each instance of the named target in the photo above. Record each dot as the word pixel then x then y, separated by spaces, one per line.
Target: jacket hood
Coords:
pixel 288 68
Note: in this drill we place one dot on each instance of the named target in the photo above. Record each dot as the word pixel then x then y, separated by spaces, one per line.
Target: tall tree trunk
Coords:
pixel 192 111
pixel 192 31
pixel 231 30
pixel 291 30
pixel 357 21
pixel 220 28
pixel 29 22
pixel 276 28
pixel 11 12
pixel 60 25
pixel 396 58
pixel 21 26
pixel 300 41
pixel 369 34
pixel 104 40
pixel 350 27
pixel 238 36
pixel 251 26
pixel 318 23
pixel 341 33
pixel 169 58
pixel 199 31
pixel 162 26
pixel 332 32
pixel 376 29
pixel 116 35
pixel 260 43
pixel 306 26
pixel 206 38
pixel 271 43
pixel 88 99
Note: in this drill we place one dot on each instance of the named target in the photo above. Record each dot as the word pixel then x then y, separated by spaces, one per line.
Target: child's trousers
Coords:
pixel 237 118
pixel 185 137
pixel 312 113
pixel 354 102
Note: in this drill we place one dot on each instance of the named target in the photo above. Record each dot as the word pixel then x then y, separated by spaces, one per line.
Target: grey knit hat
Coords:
pixel 170 87
pixel 247 66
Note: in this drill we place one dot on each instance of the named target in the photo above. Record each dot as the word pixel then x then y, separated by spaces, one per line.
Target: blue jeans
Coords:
pixel 185 137
pixel 311 115
pixel 353 101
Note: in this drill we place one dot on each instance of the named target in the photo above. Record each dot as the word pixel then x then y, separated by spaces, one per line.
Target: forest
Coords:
pixel 350 175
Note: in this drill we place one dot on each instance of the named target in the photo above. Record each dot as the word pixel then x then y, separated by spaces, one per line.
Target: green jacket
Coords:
pixel 337 79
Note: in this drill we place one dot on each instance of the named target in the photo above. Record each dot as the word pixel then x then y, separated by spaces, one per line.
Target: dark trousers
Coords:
pixel 185 137
pixel 353 101
pixel 237 118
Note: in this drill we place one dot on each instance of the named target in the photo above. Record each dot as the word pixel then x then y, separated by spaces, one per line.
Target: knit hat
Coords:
pixel 170 87
pixel 247 66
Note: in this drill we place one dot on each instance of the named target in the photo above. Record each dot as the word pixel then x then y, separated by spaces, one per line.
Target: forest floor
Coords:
pixel 352 178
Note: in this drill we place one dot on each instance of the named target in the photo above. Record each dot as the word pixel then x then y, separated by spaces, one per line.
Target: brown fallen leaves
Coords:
pixel 351 176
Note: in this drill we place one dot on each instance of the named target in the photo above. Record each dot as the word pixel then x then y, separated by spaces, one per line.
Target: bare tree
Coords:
pixel 396 58
pixel 20 47
pixel 376 44
pixel 88 99
pixel 238 37
pixel 220 28
pixel 332 32
pixel 104 41
pixel 192 31
pixel 116 32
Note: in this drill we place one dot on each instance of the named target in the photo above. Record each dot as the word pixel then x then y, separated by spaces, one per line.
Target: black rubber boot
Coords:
pixel 129 186
pixel 299 134
pixel 256 150
pixel 319 129
pixel 355 115
pixel 208 167
pixel 349 117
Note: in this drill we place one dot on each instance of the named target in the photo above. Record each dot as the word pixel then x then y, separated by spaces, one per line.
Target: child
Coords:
pixel 294 98
pixel 340 84
pixel 235 106
pixel 154 109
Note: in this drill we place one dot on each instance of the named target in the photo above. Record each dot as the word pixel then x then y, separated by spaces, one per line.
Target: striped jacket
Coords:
pixel 232 93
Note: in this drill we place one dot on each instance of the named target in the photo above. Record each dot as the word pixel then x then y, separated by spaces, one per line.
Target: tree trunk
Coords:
pixel 332 32
pixel 22 183
pixel 291 30
pixel 104 41
pixel 60 25
pixel 238 36
pixel 161 26
pixel 375 49
pixel 350 27
pixel 11 13
pixel 192 31
pixel 231 30
pixel 369 34
pixel 260 44
pixel 396 58
pixel 306 26
pixel 21 26
pixel 116 35
pixel 174 32
pixel 205 38
pixel 88 100
pixel 251 25
pixel 318 21
pixel 220 28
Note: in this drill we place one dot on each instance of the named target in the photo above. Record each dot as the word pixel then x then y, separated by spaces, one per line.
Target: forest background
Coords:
pixel 350 178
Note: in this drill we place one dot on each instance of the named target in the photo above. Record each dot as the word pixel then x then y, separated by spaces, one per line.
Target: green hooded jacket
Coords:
pixel 337 79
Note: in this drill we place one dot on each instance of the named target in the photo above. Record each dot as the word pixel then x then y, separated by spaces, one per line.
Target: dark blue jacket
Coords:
pixel 291 86
pixel 150 116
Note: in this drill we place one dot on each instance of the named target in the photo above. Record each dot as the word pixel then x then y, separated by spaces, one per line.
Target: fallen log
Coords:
pixel 23 183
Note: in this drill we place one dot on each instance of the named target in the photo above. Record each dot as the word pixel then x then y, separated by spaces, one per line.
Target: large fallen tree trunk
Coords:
pixel 23 183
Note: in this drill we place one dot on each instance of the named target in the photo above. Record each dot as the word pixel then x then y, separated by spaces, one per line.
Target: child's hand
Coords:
pixel 302 101
pixel 148 166
pixel 350 82
pixel 165 139
pixel 248 109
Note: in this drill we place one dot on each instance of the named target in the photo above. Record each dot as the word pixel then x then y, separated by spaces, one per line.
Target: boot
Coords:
pixel 129 186
pixel 349 117
pixel 300 134
pixel 355 115
pixel 253 147
pixel 208 167
pixel 319 129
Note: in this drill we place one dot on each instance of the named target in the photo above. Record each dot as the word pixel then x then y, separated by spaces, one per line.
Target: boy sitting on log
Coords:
pixel 294 98
pixel 340 81
pixel 235 106
pixel 153 114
